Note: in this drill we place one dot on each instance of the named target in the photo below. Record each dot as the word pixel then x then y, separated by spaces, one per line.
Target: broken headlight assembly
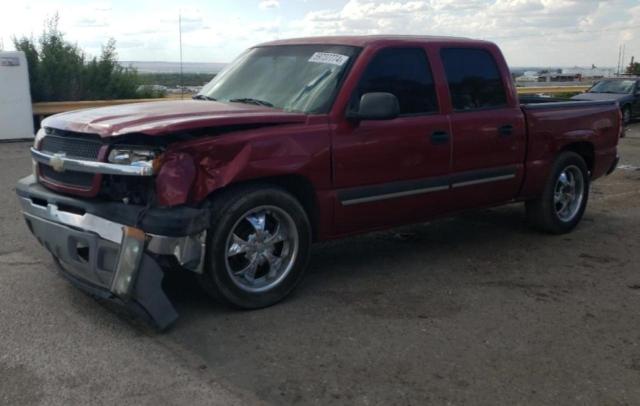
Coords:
pixel 132 155
pixel 132 189
pixel 140 156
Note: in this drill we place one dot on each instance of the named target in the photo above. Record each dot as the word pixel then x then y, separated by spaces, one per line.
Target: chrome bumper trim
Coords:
pixel 188 250
pixel 106 229
pixel 61 163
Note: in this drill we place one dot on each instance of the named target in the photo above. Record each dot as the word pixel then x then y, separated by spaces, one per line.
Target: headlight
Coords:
pixel 131 156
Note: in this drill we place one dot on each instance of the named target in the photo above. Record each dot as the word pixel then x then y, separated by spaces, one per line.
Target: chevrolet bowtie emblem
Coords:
pixel 57 163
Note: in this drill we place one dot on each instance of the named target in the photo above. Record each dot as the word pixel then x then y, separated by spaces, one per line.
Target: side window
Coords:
pixel 403 72
pixel 474 79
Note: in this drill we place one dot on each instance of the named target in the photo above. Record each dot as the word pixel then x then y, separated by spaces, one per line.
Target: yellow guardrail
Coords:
pixel 49 108
pixel 552 89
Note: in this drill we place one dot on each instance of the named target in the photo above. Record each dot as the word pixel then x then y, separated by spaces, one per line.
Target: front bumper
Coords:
pixel 115 259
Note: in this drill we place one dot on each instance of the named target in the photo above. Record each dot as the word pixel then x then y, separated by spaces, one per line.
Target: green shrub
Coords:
pixel 60 71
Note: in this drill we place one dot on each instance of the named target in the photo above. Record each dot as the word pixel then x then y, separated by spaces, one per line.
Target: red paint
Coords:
pixel 175 179
pixel 332 153
pixel 166 117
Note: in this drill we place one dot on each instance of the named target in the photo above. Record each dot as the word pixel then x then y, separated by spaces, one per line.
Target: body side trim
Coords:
pixel 367 194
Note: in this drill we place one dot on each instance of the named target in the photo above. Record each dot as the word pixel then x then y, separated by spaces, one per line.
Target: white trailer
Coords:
pixel 16 116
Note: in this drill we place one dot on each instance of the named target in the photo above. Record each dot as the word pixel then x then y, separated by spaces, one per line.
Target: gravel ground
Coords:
pixel 473 310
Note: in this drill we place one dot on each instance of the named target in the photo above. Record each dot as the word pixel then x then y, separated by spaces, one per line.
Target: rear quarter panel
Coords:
pixel 552 129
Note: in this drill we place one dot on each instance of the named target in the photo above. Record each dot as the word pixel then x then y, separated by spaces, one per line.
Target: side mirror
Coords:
pixel 377 106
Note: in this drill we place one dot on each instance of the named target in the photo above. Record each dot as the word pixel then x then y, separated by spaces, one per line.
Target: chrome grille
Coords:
pixel 67 178
pixel 73 147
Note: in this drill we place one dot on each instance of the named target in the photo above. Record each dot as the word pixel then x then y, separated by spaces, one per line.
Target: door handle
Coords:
pixel 505 130
pixel 439 137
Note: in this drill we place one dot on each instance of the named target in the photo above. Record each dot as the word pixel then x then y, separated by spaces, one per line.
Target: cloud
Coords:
pixel 530 32
pixel 568 32
pixel 269 4
pixel 90 22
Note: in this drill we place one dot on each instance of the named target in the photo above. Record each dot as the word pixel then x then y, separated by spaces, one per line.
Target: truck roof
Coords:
pixel 369 40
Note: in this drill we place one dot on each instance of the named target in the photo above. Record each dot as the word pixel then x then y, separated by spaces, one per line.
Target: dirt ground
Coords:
pixel 474 310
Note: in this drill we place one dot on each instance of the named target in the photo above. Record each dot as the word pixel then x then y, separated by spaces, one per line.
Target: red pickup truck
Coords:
pixel 299 141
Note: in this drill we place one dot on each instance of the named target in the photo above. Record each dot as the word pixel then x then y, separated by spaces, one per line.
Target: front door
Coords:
pixel 394 171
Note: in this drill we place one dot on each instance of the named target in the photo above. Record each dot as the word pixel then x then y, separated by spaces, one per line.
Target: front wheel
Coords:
pixel 257 247
pixel 564 200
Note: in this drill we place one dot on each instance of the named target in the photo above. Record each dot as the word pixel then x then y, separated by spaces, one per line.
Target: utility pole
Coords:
pixel 619 56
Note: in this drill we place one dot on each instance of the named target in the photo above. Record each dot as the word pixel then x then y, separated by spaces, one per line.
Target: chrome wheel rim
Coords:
pixel 626 115
pixel 261 248
pixel 569 193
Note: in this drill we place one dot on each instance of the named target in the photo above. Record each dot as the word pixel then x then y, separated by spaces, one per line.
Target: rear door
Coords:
pixel 389 172
pixel 487 126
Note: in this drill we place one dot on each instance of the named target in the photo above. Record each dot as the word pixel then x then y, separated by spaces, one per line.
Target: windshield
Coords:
pixel 300 78
pixel 613 86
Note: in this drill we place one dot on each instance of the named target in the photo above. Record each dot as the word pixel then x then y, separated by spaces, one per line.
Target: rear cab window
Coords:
pixel 474 80
pixel 403 72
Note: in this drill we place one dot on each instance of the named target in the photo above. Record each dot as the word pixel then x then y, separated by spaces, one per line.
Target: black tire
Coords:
pixel 228 209
pixel 542 213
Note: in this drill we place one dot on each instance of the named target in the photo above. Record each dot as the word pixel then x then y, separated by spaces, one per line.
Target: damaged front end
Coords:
pixel 112 258
pixel 114 240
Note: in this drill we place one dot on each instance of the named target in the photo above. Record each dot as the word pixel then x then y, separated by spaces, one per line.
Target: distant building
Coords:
pixel 155 88
pixel 566 75
pixel 590 73
pixel 558 76
pixel 528 77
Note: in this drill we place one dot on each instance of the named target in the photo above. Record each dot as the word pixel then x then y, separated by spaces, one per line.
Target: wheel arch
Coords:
pixel 585 149
pixel 297 185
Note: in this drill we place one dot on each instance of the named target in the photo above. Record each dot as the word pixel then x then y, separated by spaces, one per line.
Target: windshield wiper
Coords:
pixel 249 100
pixel 311 85
pixel 202 97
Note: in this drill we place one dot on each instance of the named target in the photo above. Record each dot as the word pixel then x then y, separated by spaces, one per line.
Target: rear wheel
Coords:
pixel 564 200
pixel 257 247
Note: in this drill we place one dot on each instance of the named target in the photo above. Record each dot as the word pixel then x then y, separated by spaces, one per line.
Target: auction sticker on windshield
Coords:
pixel 327 57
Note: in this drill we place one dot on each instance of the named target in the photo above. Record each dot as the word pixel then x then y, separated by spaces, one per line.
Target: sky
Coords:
pixel 530 32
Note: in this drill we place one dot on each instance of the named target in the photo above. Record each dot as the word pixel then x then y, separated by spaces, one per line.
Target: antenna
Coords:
pixel 180 36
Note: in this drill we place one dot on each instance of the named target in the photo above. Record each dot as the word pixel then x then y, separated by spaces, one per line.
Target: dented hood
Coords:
pixel 165 117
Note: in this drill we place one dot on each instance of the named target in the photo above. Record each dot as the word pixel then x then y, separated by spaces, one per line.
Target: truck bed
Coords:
pixel 552 123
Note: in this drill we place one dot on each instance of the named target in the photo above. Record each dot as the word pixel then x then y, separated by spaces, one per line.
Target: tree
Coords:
pixel 60 71
pixel 634 67
pixel 27 46
pixel 105 78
